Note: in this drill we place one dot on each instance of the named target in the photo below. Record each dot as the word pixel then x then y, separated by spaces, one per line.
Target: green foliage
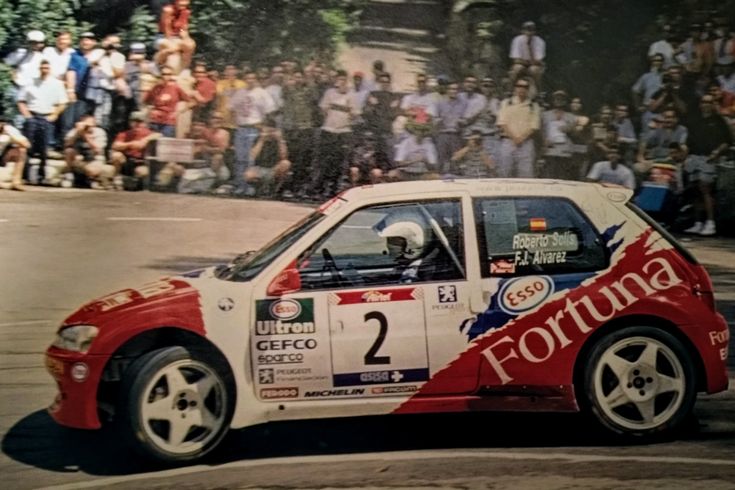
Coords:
pixel 142 26
pixel 7 20
pixel 264 31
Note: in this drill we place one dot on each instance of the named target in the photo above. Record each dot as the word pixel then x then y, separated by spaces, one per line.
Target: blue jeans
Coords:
pixel 167 130
pixel 243 142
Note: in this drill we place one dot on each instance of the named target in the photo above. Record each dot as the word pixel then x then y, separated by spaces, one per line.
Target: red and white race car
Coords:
pixel 408 298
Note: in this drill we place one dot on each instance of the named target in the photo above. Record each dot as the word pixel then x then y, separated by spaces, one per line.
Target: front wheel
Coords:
pixel 640 382
pixel 175 406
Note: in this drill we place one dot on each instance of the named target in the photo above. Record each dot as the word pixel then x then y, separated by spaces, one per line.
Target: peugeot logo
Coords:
pixel 226 304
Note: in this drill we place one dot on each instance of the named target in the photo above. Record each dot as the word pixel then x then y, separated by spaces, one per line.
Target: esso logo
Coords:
pixel 524 293
pixel 285 309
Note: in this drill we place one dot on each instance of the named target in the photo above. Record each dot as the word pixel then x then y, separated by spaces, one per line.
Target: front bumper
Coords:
pixel 77 376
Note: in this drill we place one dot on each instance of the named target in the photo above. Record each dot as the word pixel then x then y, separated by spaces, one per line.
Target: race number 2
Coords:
pixel 378 337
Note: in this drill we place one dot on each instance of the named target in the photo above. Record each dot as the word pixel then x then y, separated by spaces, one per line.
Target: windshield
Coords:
pixel 247 266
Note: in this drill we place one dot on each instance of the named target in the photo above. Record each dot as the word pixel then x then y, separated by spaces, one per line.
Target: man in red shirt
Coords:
pixel 163 99
pixel 174 34
pixel 129 148
pixel 203 94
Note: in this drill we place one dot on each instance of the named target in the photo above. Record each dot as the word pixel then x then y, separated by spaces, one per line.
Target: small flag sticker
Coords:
pixel 538 224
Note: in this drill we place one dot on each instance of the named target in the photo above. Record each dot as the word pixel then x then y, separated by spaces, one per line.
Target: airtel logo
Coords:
pixel 285 309
pixel 524 293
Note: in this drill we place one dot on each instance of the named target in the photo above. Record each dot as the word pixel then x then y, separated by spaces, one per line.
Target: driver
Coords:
pixel 408 241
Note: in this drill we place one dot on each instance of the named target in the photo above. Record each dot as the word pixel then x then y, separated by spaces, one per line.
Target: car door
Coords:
pixel 531 248
pixel 381 321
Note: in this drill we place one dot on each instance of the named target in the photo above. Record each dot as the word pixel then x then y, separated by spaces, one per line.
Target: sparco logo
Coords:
pixel 285 309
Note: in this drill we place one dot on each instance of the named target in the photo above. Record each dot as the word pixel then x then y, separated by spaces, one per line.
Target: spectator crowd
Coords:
pixel 306 131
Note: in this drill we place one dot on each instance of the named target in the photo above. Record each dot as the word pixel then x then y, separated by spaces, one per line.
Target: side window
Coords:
pixel 399 243
pixel 536 235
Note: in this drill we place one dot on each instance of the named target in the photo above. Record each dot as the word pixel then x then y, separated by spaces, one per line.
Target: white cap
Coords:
pixel 36 36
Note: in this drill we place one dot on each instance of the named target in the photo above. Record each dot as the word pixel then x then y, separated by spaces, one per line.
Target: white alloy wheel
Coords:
pixel 183 407
pixel 640 381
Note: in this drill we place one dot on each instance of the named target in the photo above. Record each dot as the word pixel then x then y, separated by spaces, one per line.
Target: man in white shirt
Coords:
pixel 13 149
pixel 519 118
pixel 612 171
pixel 416 157
pixel 25 62
pixel 527 53
pixel 664 47
pixel 59 55
pixel 417 105
pixel 335 138
pixel 250 106
pixel 41 103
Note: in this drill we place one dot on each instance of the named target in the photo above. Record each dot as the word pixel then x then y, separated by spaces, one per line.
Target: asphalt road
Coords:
pixel 63 247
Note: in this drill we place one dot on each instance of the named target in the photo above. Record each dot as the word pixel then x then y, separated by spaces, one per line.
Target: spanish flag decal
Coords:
pixel 537 224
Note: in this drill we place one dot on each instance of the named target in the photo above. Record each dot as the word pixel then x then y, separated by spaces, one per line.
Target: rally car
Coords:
pixel 441 296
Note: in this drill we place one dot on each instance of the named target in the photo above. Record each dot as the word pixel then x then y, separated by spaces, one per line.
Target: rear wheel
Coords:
pixel 640 382
pixel 175 406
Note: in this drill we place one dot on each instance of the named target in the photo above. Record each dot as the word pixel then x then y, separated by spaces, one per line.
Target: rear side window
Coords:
pixel 536 235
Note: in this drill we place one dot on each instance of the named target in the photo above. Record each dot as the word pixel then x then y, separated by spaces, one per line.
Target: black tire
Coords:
pixel 639 383
pixel 185 385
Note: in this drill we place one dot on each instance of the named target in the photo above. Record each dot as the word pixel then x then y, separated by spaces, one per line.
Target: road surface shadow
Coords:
pixel 38 441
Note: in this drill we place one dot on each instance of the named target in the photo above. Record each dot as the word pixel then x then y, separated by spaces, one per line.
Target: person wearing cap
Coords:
pixel 138 74
pixel 129 148
pixel 25 62
pixel 173 27
pixel 527 53
pixel 13 150
pixel 41 103
pixel 556 126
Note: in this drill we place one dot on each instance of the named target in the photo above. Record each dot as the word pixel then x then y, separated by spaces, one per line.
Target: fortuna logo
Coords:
pixel 550 336
pixel 285 309
pixel 376 297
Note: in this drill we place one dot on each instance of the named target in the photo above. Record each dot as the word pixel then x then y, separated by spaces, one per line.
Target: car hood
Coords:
pixel 169 301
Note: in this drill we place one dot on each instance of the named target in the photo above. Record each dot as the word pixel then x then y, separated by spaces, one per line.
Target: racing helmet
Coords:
pixel 409 227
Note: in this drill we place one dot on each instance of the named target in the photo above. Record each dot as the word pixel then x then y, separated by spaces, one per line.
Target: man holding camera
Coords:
pixel 84 153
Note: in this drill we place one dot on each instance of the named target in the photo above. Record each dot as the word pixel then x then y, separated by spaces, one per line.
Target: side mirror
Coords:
pixel 287 281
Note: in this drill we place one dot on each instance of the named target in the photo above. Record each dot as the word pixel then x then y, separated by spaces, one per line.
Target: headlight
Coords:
pixel 77 338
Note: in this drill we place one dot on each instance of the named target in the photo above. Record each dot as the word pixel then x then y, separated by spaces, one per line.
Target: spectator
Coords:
pixel 672 93
pixel 475 104
pixel 648 84
pixel 557 124
pixel 84 154
pixel 727 80
pixel 202 96
pixel 360 92
pixel 106 86
pixel 416 157
pixel 518 119
pixel 299 101
pixel 420 105
pixel 129 150
pixel 226 88
pixel 696 54
pixel 381 109
pixel 724 47
pixel 250 105
pixel 162 100
pixel 473 160
pixel 139 75
pixel 626 136
pixel 199 178
pixel 218 144
pixel 335 137
pixel 271 165
pixel 657 142
pixel 378 69
pixel 41 103
pixel 274 86
pixel 664 47
pixel 76 79
pixel 527 53
pixel 25 62
pixel 612 170
pixel 449 132
pixel 724 102
pixel 709 139
pixel 13 150
pixel 173 38
pixel 59 56
pixel 369 165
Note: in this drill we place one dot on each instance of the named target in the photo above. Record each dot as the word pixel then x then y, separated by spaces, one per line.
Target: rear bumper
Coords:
pixel 77 377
